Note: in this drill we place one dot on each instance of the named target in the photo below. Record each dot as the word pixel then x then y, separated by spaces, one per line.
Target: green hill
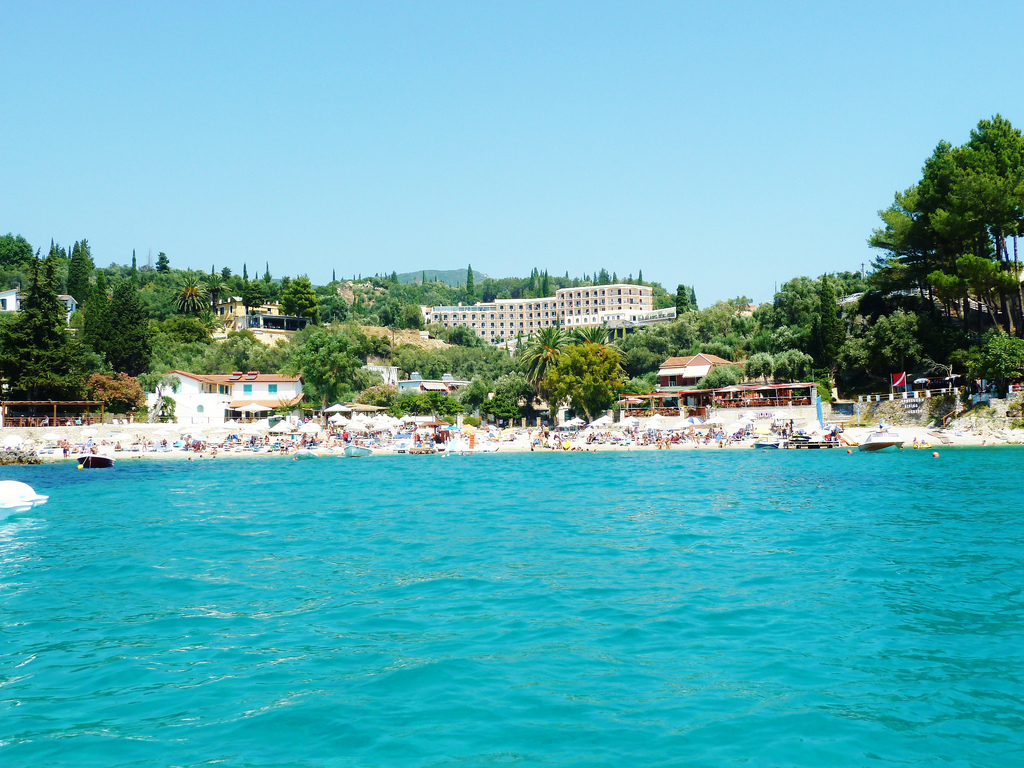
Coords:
pixel 452 277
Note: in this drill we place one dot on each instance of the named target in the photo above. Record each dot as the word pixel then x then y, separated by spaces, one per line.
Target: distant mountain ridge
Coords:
pixel 452 277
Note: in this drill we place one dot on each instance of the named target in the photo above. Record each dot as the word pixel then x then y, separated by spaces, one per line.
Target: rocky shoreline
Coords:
pixel 19 456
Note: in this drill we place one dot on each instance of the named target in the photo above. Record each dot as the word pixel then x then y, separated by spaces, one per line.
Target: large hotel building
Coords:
pixel 504 319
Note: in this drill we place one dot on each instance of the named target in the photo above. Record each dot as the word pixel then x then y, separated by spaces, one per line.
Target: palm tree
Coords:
pixel 540 354
pixel 191 296
pixel 215 287
pixel 592 334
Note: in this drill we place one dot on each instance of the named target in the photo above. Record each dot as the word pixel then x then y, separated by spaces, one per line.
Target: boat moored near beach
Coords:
pixel 880 439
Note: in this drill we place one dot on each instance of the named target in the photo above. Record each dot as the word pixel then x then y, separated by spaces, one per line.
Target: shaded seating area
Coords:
pixel 696 402
pixel 51 413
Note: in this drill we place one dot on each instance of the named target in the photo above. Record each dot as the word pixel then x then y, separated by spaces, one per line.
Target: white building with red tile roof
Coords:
pixel 214 398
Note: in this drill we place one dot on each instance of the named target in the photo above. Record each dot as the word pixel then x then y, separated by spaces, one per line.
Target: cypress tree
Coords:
pixel 827 331
pixel 79 271
pixel 96 332
pixel 130 349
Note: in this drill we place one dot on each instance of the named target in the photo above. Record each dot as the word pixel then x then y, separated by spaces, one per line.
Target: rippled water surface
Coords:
pixel 682 608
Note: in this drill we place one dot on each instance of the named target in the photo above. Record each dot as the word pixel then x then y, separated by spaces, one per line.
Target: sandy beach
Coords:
pixel 131 436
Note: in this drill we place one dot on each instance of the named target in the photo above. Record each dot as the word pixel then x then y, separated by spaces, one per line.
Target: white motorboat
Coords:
pixel 357 450
pixel 103 458
pixel 18 497
pixel 879 440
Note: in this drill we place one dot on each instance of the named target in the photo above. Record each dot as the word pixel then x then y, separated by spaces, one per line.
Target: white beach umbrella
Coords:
pixel 12 441
pixel 693 421
pixel 337 408
pixel 89 432
pixel 575 422
pixel 281 428
pixel 628 423
pixel 254 408
pixel 50 437
pixel 604 421
pixel 338 419
pixel 310 428
pixel 253 429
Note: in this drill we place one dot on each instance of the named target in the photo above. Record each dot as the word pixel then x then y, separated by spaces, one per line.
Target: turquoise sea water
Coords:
pixel 702 608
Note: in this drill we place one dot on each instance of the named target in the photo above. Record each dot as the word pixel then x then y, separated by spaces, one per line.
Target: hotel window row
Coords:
pixel 504 319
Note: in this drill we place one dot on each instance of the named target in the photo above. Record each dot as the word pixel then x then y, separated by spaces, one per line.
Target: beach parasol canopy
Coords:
pixel 337 408
pixel 281 428
pixel 50 437
pixel 254 408
pixel 629 422
pixel 604 421
pixel 576 422
pixel 337 418
pixel 89 432
pixel 693 421
pixel 12 441
pixel 309 428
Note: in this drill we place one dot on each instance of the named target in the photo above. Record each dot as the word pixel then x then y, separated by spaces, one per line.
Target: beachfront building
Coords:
pixel 501 320
pixel 446 385
pixel 214 398
pixel 265 319
pixel 760 400
pixel 677 373
pixel 10 301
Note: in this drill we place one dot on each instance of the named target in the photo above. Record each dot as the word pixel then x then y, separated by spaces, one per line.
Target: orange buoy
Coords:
pixel 849 450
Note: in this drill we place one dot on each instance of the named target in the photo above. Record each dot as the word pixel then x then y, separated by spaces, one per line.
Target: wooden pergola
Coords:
pixel 48 420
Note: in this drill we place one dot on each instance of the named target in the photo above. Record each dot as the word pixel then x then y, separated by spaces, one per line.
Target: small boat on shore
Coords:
pixel 879 440
pixel 769 442
pixel 357 450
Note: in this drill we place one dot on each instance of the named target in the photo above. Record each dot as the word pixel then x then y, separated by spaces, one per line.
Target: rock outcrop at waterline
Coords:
pixel 19 456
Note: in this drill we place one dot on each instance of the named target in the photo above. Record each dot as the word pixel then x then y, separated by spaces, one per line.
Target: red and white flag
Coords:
pixel 899 379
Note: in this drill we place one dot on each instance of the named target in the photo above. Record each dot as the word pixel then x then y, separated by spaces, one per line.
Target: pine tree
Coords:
pixel 266 275
pixel 163 264
pixel 38 357
pixel 469 281
pixel 135 268
pixel 245 273
pixel 640 278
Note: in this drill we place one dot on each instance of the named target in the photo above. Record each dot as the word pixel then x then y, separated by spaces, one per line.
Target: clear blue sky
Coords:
pixel 725 145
